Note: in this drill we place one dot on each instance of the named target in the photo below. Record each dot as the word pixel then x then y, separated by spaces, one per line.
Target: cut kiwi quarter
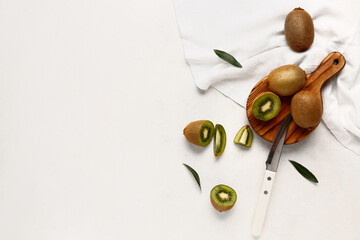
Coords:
pixel 223 197
pixel 266 106
pixel 244 136
pixel 199 132
pixel 219 140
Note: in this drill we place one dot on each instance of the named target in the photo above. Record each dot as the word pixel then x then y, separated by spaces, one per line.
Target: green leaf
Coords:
pixel 194 173
pixel 304 171
pixel 228 58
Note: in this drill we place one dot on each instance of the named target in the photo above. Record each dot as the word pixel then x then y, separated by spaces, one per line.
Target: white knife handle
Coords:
pixel 262 204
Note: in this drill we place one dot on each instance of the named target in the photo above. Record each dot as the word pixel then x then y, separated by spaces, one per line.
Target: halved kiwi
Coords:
pixel 199 132
pixel 244 136
pixel 223 197
pixel 219 140
pixel 266 106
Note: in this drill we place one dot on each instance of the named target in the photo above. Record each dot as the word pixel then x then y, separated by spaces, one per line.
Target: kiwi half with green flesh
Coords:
pixel 223 197
pixel 266 106
pixel 244 136
pixel 199 132
pixel 219 140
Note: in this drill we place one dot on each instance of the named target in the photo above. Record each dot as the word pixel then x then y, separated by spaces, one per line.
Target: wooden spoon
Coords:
pixel 331 65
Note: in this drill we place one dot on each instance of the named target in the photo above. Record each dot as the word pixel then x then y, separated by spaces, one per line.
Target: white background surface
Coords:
pixel 94 96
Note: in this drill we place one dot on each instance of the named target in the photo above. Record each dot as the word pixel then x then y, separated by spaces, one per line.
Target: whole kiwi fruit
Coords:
pixel 199 132
pixel 306 109
pixel 286 80
pixel 299 30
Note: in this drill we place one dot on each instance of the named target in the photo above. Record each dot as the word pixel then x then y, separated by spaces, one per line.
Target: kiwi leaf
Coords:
pixel 194 173
pixel 228 58
pixel 304 171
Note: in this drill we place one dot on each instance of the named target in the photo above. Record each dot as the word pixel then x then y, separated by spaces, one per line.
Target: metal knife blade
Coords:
pixel 273 159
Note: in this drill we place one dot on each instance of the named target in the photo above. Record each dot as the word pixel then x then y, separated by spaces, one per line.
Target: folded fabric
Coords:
pixel 253 32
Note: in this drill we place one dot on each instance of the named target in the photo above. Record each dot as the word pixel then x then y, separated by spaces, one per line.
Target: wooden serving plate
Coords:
pixel 331 65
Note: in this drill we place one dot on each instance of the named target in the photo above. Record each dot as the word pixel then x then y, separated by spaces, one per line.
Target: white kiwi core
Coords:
pixel 218 138
pixel 244 137
pixel 266 106
pixel 223 196
pixel 205 133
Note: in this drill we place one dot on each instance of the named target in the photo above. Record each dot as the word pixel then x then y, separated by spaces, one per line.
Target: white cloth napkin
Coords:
pixel 252 31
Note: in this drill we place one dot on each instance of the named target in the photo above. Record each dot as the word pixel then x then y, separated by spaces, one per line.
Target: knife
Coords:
pixel 272 164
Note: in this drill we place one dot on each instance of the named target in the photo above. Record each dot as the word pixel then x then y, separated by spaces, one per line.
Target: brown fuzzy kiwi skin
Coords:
pixel 306 109
pixel 286 80
pixel 299 30
pixel 191 132
pixel 220 208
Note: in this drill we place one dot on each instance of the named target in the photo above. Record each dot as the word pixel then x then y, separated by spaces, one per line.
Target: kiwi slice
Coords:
pixel 244 136
pixel 223 197
pixel 199 132
pixel 266 106
pixel 219 140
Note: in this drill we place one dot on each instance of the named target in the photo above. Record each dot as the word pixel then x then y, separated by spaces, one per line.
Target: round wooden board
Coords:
pixel 331 65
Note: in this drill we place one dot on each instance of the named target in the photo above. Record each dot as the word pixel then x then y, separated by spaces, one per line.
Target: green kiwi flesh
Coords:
pixel 244 136
pixel 266 106
pixel 223 197
pixel 219 140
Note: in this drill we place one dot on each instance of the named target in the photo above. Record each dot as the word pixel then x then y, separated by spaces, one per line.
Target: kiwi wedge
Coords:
pixel 219 140
pixel 223 197
pixel 244 136
pixel 266 106
pixel 199 132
